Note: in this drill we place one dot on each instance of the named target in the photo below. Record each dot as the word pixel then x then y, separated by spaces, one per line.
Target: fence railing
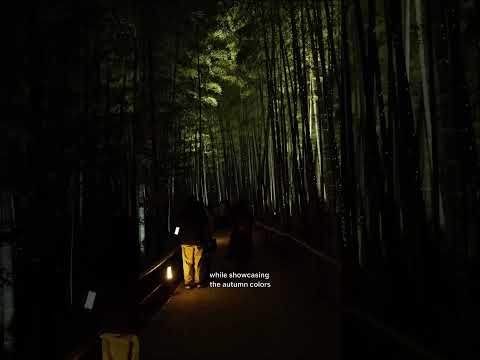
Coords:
pixel 321 255
pixel 150 282
pixel 401 339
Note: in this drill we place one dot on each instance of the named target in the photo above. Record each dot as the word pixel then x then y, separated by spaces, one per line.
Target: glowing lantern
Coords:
pixel 177 230
pixel 169 273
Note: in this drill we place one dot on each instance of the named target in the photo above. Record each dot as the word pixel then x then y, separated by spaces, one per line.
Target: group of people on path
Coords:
pixel 195 230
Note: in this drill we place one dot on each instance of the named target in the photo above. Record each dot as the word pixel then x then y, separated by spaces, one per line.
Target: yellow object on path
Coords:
pixel 120 346
pixel 193 268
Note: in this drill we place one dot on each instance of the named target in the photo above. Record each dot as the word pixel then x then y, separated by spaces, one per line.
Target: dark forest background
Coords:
pixel 358 119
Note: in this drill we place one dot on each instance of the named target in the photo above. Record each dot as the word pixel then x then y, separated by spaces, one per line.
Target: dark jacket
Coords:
pixel 242 219
pixel 193 223
pixel 240 246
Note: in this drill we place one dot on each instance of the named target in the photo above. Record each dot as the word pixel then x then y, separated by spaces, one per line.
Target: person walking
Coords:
pixel 193 233
pixel 211 241
pixel 240 246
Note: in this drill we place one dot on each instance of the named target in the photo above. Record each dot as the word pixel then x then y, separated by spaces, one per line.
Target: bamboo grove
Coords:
pixel 365 110
pixel 343 104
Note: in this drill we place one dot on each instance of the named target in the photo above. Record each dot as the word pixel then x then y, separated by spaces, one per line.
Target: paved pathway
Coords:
pixel 290 320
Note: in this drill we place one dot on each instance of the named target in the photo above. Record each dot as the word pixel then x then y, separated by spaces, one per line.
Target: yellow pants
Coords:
pixel 120 347
pixel 192 264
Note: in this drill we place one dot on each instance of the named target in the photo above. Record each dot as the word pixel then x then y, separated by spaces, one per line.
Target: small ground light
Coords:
pixel 177 230
pixel 169 273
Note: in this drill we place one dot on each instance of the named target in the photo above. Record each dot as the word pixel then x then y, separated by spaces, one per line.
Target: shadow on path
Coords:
pixel 289 320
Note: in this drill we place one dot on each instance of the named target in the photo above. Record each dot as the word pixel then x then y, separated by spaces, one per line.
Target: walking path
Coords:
pixel 292 319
